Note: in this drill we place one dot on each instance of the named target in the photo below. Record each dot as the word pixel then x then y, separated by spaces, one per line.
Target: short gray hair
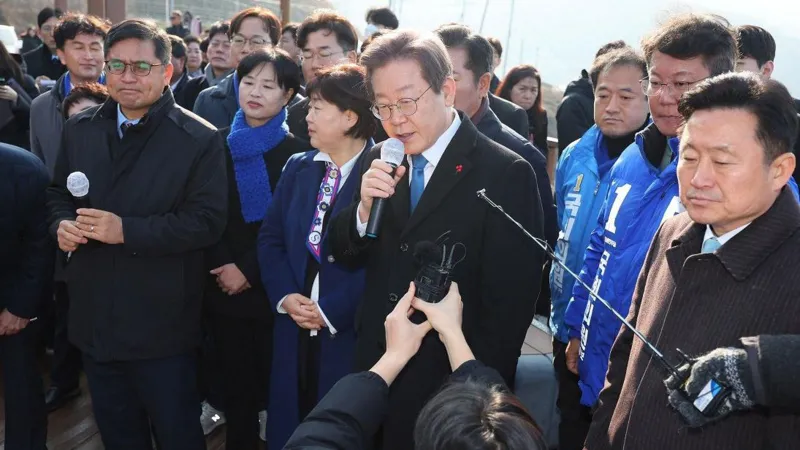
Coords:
pixel 426 49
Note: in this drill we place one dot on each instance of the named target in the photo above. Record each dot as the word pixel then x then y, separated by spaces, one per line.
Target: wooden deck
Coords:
pixel 72 427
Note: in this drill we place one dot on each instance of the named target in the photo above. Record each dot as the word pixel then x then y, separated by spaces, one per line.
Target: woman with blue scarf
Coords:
pixel 314 297
pixel 238 316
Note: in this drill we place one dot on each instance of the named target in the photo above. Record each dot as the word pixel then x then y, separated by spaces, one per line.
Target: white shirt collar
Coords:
pixel 725 237
pixel 434 154
pixel 346 168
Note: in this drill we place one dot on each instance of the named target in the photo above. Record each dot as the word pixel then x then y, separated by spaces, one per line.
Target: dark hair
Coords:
pixel 46 14
pixel 426 49
pixel 91 91
pixel 291 28
pixel 286 70
pixel 514 76
pixel 382 16
pixel 271 22
pixel 204 45
pixel 9 66
pixel 613 45
pixel 496 45
pixel 344 86
pixel 688 36
pixel 332 22
pixel 143 30
pixel 755 42
pixel 219 27
pixel 73 24
pixel 769 101
pixel 370 39
pixel 625 56
pixel 191 39
pixel 472 416
pixel 178 47
pixel 479 50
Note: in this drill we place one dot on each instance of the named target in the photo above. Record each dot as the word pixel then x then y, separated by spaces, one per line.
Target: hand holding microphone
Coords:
pixel 379 182
pixel 69 235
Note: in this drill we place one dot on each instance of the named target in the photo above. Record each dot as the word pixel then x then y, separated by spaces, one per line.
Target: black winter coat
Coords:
pixel 575 113
pixel 166 180
pixel 40 62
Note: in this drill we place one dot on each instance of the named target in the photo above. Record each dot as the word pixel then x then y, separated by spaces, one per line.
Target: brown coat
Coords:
pixel 699 302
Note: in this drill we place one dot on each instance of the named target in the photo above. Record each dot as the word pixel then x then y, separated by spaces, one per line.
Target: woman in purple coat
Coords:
pixel 314 298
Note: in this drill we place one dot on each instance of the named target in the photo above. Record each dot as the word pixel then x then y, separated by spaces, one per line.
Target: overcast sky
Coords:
pixel 562 37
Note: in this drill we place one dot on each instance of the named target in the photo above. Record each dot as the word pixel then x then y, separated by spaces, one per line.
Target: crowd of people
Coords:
pixel 213 230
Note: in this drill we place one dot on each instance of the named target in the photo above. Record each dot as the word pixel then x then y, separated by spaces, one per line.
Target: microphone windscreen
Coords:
pixel 78 184
pixel 427 252
pixel 393 151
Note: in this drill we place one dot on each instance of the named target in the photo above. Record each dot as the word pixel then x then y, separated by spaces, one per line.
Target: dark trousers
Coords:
pixel 130 396
pixel 240 381
pixel 66 369
pixel 575 418
pixel 26 419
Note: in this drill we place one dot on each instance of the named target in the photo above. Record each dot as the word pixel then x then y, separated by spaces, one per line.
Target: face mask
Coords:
pixel 370 30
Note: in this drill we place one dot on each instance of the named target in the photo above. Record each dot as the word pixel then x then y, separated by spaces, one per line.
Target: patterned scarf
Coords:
pixel 248 146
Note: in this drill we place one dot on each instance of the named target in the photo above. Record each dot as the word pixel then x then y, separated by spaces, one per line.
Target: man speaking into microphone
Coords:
pixel 433 191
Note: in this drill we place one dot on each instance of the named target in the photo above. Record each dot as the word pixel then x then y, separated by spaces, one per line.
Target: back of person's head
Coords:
pixel 142 30
pixel 73 24
pixel 474 416
pixel 272 25
pixel 688 36
pixel 755 42
pixel 613 45
pixel 219 27
pixel 287 73
pixel 496 45
pixel 344 86
pixel 87 93
pixel 514 76
pixel 768 100
pixel 478 50
pixel 329 21
pixel 624 56
pixel 178 46
pixel 426 49
pixel 46 14
pixel 383 17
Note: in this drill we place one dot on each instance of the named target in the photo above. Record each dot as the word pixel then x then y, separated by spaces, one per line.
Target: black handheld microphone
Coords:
pixel 78 186
pixel 392 152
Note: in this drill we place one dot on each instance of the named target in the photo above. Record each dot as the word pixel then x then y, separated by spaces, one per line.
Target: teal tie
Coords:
pixel 417 179
pixel 711 245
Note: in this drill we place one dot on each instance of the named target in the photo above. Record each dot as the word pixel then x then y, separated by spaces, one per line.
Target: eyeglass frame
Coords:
pixel 125 69
pixel 322 58
pixel 226 43
pixel 376 107
pixel 671 87
pixel 249 41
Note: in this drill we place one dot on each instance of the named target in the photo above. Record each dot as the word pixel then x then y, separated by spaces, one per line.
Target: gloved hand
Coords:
pixel 728 366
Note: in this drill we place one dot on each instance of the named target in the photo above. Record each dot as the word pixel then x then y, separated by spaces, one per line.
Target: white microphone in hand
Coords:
pixel 392 152
pixel 78 186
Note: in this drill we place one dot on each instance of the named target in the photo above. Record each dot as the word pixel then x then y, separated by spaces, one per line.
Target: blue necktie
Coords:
pixel 710 245
pixel 417 179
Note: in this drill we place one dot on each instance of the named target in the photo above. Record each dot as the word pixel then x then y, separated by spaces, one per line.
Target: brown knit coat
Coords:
pixel 699 302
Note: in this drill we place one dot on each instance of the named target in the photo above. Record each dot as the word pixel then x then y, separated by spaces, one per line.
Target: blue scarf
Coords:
pixel 248 146
pixel 68 82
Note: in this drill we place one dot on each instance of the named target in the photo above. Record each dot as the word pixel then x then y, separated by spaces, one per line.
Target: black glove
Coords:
pixel 729 367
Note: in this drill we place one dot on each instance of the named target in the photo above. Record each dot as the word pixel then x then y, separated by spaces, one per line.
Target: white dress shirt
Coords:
pixel 121 120
pixel 725 237
pixel 344 171
pixel 433 155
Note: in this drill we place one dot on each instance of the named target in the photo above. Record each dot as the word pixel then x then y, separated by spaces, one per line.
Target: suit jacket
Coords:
pixel 188 89
pixel 39 61
pixel 512 115
pixel 697 303
pixel 299 127
pixel 283 258
pixel 499 278
pixel 218 104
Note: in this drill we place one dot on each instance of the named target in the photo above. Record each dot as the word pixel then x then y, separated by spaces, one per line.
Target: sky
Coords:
pixel 561 38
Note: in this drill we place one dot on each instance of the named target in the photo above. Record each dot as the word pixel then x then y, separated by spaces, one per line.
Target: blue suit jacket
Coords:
pixel 283 259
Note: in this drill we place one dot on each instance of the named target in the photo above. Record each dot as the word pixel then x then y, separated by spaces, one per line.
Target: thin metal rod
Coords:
pixel 543 244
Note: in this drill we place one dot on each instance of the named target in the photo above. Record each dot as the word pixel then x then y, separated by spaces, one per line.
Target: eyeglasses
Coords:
pixel 324 55
pixel 138 68
pixel 257 41
pixel 217 44
pixel 654 89
pixel 47 29
pixel 405 106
